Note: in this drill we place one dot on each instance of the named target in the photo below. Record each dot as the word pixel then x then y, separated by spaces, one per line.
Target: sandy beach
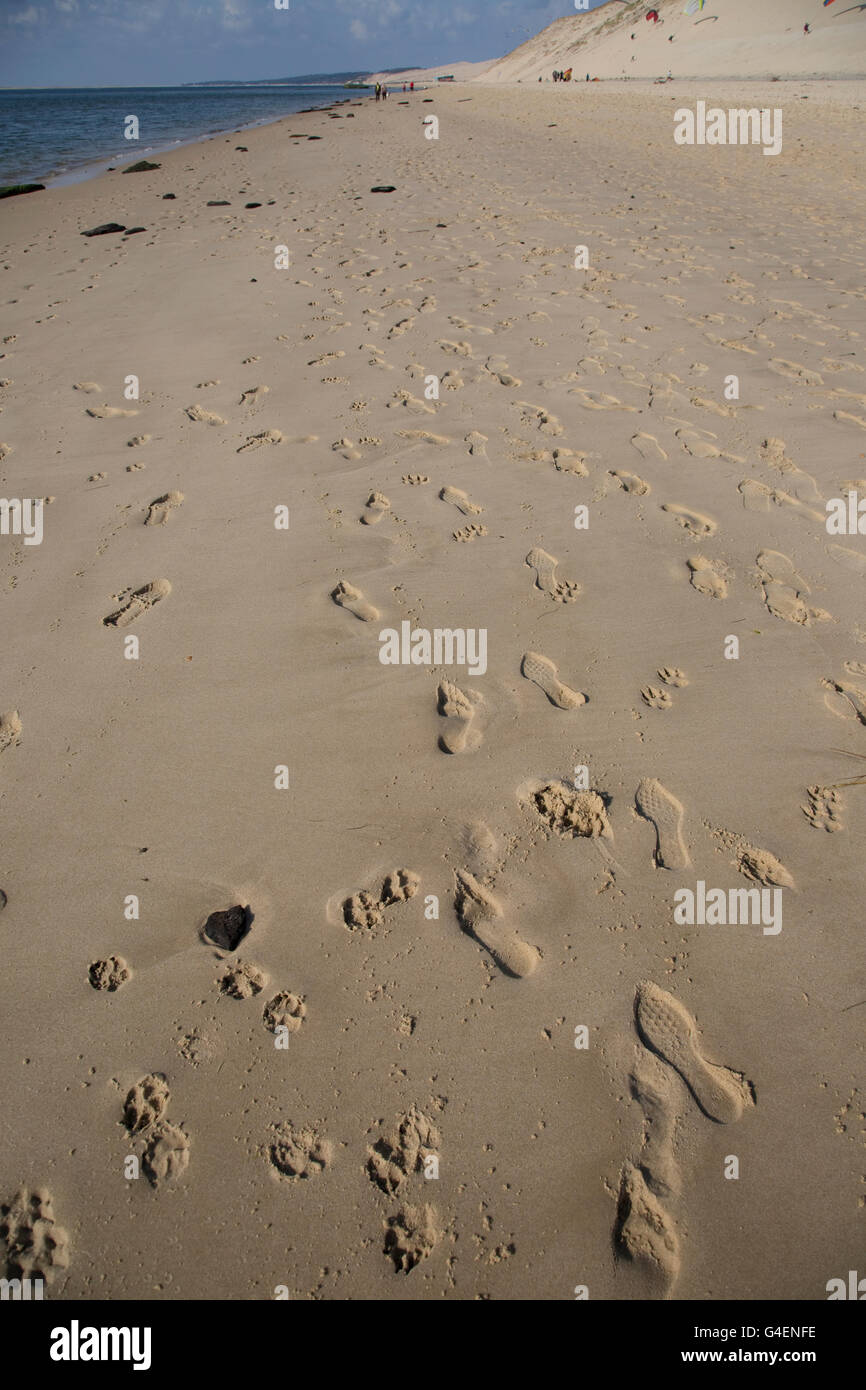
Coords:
pixel 571 385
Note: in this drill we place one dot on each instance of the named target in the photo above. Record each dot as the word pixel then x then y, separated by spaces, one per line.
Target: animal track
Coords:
pixel 242 981
pixel 572 814
pixel 672 675
pixel 350 598
pixel 468 533
pixel 139 602
pixel 166 1154
pixel 669 1029
pixel 401 1152
pixel 656 698
pixel 285 1010
pixel 145 1102
pixel 762 867
pixel 542 671
pixel 825 808
pixel 109 974
pixel 410 1236
pixel 561 591
pixel 10 730
pixel 658 806
pixel 298 1152
pixel 35 1246
pixel 364 911
pixel 783 589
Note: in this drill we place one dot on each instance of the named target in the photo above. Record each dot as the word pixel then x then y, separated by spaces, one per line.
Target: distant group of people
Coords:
pixel 562 76
pixel 382 91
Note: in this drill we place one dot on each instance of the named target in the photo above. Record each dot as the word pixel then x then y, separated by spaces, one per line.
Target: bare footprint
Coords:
pixel 139 602
pixel 543 672
pixel 256 441
pixel 669 1029
pixel 694 522
pixel 459 710
pixel 109 412
pixel 347 596
pixel 479 914
pixel 648 446
pixel 561 591
pixel 630 482
pixel 656 804
pixel 706 577
pixel 161 508
pixel 375 508
pixel 202 416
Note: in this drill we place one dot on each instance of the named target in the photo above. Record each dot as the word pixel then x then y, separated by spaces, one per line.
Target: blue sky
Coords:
pixel 107 43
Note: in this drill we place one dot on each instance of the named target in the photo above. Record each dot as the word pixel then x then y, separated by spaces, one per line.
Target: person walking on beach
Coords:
pixel 378 91
pixel 384 92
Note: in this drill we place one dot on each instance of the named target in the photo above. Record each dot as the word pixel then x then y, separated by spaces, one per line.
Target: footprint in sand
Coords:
pixel 415 479
pixel 146 1102
pixel 672 675
pixel 35 1246
pixel 825 809
pixel 425 437
pixel 706 576
pixel 90 387
pixel 374 509
pixel 459 499
pixel 166 1154
pixel 479 914
pixel 696 523
pixel 253 395
pixel 469 533
pixel 561 591
pixel 460 711
pixel 653 1088
pixel 138 602
pixel 347 596
pixel 298 1152
pixel 10 730
pixel 648 446
pixel 476 444
pixel 783 589
pixel 542 671
pixel 161 508
pixel 656 698
pixel 572 814
pixel 365 911
pixel 761 866
pixel 109 412
pixel 630 482
pixel 202 416
pixel 846 700
pixel 670 1030
pixel 256 441
pixel 536 414
pixel 656 804
pixel 696 446
pixel 644 1231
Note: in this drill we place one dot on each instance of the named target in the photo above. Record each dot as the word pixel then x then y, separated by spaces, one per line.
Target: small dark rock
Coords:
pixel 252 205
pixel 141 167
pixel 219 203
pixel 227 929
pixel 3 900
pixel 133 231
pixel 314 137
pixel 384 188
pixel 104 229
pixel 12 190
pixel 166 196
pixel 243 149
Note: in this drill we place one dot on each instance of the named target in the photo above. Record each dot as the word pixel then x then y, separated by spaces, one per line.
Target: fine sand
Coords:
pixel 369 1081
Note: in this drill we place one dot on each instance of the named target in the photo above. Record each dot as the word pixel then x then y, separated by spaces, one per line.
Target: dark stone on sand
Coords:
pixel 219 203
pixel 425 101
pixel 166 196
pixel 402 103
pixel 252 205
pixel 227 929
pixel 143 166
pixel 104 229
pixel 314 137
pixel 133 231
pixel 384 188
pixel 12 190
pixel 242 148
pixel 3 900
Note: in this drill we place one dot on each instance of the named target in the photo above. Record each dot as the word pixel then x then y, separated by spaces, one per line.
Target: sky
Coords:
pixel 119 43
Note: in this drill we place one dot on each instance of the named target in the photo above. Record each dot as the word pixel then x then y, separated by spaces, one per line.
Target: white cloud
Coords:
pixel 234 14
pixel 28 16
pixel 358 29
